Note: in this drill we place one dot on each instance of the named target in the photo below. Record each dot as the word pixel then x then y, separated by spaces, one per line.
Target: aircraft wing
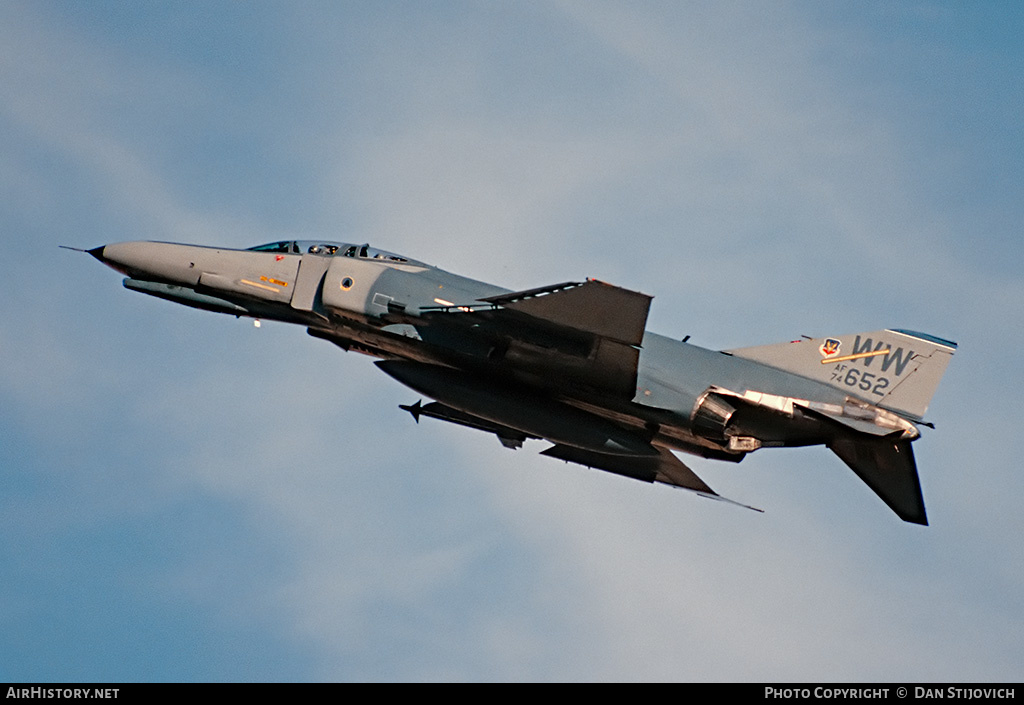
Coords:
pixel 575 333
pixel 591 307
pixel 664 467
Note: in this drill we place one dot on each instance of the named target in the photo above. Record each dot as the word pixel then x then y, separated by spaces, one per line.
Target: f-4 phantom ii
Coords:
pixel 572 363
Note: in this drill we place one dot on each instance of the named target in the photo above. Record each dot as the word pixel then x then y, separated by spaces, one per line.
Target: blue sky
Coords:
pixel 189 498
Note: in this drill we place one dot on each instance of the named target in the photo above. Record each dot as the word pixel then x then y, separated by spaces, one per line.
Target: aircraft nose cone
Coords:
pixel 114 256
pixel 157 261
pixel 108 258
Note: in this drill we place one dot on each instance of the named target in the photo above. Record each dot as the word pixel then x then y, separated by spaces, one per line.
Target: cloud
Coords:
pixel 258 486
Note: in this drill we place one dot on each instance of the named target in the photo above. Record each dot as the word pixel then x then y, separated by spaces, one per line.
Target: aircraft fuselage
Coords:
pixel 570 363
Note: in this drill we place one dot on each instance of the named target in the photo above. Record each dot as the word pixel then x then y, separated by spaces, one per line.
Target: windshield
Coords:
pixel 329 249
pixel 287 246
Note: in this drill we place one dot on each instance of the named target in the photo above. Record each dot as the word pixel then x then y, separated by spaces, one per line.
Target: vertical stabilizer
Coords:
pixel 894 369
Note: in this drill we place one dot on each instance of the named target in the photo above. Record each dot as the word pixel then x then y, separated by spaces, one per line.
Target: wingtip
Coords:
pixel 720 498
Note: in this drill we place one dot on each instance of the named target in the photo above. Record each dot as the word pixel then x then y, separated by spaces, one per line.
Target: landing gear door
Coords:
pixel 312 269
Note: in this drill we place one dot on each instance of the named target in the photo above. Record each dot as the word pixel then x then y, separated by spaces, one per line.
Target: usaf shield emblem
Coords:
pixel 830 347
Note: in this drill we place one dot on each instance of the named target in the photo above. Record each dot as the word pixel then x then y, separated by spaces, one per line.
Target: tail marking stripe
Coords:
pixel 857 356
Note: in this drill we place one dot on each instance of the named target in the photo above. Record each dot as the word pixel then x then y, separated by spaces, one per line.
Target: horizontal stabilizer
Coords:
pixel 888 468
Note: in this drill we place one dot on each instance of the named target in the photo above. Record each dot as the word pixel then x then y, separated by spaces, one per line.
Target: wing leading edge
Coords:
pixel 664 467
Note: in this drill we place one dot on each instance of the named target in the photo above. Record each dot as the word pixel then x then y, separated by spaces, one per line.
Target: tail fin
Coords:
pixel 888 468
pixel 894 369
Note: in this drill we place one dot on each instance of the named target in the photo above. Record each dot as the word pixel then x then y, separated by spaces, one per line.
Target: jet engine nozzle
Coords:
pixel 711 416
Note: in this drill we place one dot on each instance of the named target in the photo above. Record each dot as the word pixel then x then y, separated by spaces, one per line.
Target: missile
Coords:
pixel 509 437
pixel 517 408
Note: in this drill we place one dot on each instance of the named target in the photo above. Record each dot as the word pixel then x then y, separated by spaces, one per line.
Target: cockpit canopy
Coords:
pixel 331 249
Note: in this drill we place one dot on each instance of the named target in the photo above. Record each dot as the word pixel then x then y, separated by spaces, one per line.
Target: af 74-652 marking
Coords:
pixel 572 363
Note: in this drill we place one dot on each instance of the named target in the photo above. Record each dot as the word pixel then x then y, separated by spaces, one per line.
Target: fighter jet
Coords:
pixel 572 363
